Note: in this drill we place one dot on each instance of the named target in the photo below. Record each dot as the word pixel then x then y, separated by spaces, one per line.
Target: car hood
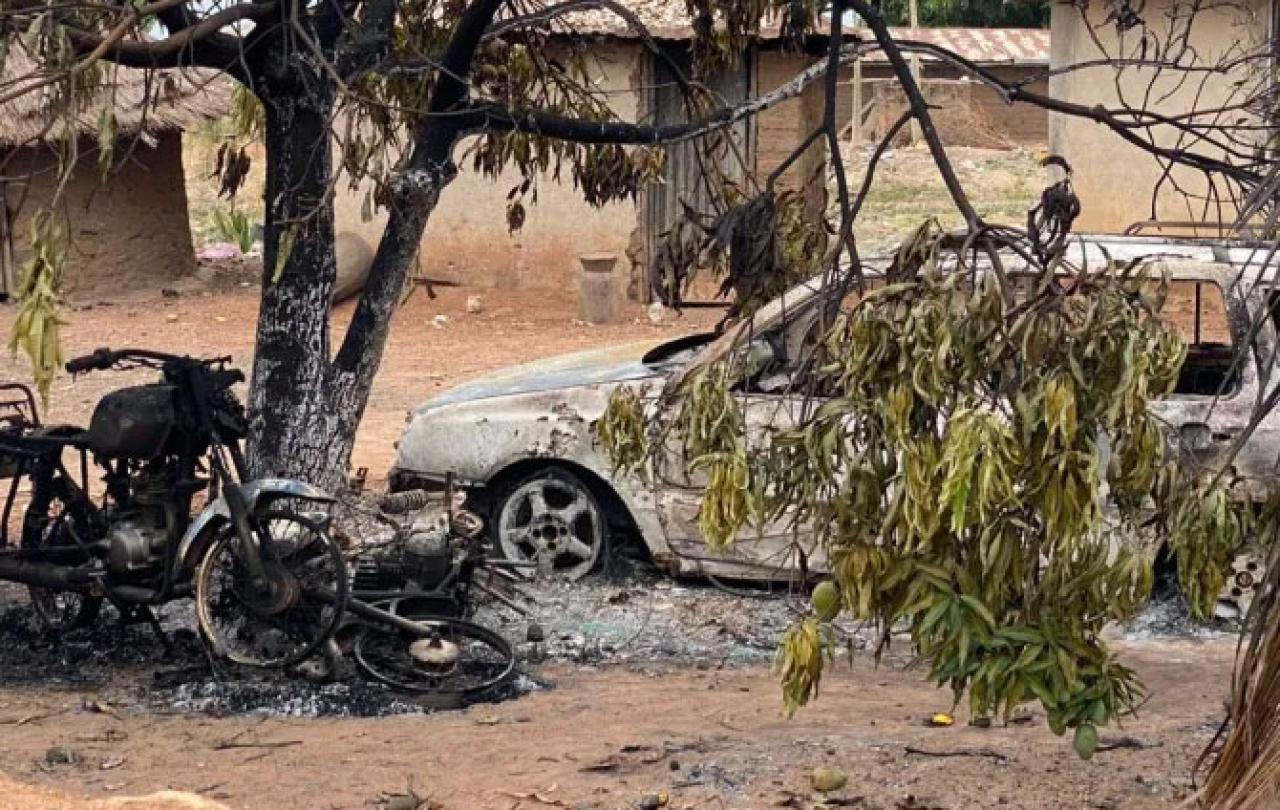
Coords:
pixel 596 367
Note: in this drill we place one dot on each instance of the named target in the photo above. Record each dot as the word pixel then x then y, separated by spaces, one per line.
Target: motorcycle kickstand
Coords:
pixel 146 614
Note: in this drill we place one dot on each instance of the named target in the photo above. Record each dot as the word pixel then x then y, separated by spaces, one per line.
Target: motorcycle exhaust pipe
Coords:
pixel 44 575
pixel 61 578
pixel 140 595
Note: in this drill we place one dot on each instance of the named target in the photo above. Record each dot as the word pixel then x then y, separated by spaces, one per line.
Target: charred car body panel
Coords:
pixel 542 413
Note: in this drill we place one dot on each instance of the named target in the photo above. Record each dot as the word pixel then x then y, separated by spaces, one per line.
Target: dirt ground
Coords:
pixel 699 727
pixel 1002 184
pixel 614 739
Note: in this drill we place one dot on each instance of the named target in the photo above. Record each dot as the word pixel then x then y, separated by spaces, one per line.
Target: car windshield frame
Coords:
pixel 799 298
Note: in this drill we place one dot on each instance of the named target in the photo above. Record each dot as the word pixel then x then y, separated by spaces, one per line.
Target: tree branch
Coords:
pixel 845 234
pixel 367 44
pixel 114 36
pixel 1097 113
pixel 494 117
pixel 919 108
pixel 546 14
pixel 428 169
pixel 200 45
pixel 334 17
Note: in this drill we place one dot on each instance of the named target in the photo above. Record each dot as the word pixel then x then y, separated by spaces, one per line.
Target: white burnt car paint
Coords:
pixel 494 431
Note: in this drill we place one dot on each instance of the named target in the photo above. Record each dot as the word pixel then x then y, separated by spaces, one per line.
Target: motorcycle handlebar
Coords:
pixel 104 358
pixel 99 359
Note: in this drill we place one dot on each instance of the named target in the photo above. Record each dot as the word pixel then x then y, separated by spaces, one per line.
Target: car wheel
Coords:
pixel 1244 578
pixel 551 519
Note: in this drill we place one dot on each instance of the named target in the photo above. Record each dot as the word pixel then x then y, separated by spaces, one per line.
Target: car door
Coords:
pixel 778 550
pixel 1228 370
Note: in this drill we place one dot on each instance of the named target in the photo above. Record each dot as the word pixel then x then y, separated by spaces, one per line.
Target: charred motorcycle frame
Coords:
pixel 269 583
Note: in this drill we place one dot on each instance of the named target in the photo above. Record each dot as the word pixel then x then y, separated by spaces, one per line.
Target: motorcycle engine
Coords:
pixel 423 561
pixel 133 546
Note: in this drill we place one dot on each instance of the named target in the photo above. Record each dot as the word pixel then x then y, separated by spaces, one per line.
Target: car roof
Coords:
pixel 1184 260
pixel 1218 261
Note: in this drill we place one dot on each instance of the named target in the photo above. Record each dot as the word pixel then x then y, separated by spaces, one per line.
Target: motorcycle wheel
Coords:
pixel 55 611
pixel 451 663
pixel 287 622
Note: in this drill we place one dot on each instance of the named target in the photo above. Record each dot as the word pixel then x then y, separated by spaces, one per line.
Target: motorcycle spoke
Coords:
pixel 481 660
pixel 275 621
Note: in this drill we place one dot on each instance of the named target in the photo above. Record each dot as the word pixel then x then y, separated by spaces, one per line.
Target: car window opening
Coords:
pixel 1197 310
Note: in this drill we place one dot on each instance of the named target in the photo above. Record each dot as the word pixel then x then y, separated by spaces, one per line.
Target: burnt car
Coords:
pixel 521 441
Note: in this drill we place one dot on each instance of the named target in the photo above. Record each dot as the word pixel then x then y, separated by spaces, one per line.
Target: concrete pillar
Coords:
pixel 597 298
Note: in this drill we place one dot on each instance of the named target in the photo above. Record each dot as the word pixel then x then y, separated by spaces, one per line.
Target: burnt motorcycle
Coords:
pixel 410 615
pixel 268 581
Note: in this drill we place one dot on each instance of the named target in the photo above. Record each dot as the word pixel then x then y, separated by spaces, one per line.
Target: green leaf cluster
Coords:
pixel 949 464
pixel 36 328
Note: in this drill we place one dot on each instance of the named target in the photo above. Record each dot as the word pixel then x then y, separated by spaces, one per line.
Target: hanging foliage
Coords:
pixel 759 247
pixel 36 328
pixel 948 466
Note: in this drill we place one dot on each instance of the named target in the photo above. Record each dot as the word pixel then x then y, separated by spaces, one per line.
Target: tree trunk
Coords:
pixel 294 430
pixel 304 407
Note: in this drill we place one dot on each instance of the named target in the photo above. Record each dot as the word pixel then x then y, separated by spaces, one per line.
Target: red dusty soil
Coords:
pixel 708 739
pixel 422 358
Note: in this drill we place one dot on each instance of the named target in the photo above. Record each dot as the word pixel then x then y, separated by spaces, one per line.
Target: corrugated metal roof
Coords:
pixel 669 19
pixel 986 46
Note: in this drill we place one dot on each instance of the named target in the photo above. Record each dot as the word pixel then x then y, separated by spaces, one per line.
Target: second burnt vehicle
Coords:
pixel 171 515
pixel 521 441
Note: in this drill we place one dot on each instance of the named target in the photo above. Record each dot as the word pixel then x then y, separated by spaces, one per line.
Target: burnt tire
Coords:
pixel 62 611
pixel 553 519
pixel 44 525
pixel 477 661
pixel 287 622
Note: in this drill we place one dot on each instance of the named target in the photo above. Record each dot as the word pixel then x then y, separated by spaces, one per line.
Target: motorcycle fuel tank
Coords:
pixel 133 422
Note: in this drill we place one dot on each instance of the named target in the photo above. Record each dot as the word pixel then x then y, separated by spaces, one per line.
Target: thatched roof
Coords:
pixel 664 19
pixel 146 101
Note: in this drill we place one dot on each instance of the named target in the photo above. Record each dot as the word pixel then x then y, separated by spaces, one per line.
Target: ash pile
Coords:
pixel 404 643
pixel 503 631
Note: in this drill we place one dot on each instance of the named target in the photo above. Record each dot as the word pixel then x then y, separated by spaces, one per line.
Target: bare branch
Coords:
pixel 919 108
pixel 202 44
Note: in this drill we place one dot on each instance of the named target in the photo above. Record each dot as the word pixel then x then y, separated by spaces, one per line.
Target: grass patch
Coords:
pixel 907 189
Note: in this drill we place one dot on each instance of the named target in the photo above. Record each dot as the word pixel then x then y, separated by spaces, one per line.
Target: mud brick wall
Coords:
pixel 984 120
pixel 131 231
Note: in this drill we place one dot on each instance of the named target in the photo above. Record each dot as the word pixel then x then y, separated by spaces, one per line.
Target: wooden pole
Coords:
pixel 855 126
pixel 914 11
pixel 8 273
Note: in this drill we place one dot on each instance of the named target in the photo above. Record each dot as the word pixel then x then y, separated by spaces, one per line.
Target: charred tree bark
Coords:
pixel 414 196
pixel 306 407
pixel 295 431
